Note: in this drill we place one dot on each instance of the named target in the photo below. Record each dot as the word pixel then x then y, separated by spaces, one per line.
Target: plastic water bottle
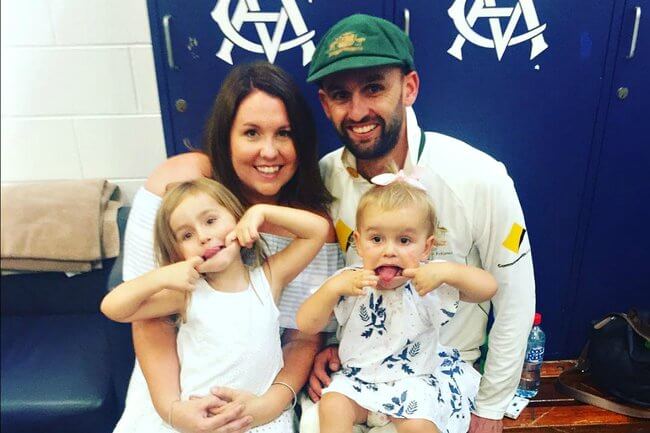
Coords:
pixel 531 373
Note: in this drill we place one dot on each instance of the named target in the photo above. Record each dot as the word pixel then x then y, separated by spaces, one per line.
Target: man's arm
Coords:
pixel 325 363
pixel 505 252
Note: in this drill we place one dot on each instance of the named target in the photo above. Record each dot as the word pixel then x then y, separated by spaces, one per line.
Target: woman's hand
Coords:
pixel 257 407
pixel 209 414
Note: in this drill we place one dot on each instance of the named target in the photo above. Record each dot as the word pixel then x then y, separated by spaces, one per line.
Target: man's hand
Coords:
pixel 485 425
pixel 326 362
pixel 194 416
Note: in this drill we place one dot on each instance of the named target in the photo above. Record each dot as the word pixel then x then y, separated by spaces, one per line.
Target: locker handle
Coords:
pixel 635 31
pixel 407 21
pixel 168 41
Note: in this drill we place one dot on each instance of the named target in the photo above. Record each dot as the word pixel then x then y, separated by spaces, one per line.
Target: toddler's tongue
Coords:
pixel 387 273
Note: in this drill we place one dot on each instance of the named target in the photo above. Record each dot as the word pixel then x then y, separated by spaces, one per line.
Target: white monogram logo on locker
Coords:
pixel 501 38
pixel 249 11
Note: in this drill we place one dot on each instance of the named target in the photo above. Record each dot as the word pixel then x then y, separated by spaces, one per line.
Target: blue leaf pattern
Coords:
pixel 363 313
pixel 430 380
pixel 415 349
pixel 426 395
pixel 377 317
pixel 399 405
pixel 410 349
pixel 412 407
pixel 447 313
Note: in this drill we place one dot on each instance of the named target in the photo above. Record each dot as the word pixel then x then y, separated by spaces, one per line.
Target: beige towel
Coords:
pixel 67 226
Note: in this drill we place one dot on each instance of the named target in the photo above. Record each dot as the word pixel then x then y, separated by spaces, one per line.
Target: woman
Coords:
pixel 260 142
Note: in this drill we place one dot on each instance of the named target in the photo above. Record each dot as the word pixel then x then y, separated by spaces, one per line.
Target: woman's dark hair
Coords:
pixel 305 189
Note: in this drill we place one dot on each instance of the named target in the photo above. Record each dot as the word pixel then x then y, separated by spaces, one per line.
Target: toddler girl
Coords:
pixel 390 312
pixel 228 320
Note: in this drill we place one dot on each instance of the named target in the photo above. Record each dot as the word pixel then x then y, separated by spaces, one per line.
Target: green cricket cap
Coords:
pixel 360 41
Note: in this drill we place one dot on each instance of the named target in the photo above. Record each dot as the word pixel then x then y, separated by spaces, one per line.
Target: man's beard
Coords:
pixel 385 142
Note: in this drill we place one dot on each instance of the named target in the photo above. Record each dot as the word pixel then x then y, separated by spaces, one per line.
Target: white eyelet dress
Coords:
pixel 231 339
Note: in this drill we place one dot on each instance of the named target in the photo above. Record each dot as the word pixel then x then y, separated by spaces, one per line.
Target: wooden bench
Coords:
pixel 550 411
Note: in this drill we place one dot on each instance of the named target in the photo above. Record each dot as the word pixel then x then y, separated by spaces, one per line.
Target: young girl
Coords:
pixel 390 313
pixel 228 320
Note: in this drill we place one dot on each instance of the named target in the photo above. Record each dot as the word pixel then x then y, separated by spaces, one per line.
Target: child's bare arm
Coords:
pixel 474 284
pixel 157 293
pixel 310 231
pixel 314 314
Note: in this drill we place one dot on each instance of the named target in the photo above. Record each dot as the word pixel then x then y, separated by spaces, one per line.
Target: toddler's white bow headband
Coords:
pixel 388 178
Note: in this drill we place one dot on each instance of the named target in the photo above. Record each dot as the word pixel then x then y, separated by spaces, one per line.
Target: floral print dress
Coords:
pixel 393 363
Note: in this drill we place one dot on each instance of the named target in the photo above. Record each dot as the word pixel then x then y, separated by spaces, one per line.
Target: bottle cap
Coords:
pixel 538 319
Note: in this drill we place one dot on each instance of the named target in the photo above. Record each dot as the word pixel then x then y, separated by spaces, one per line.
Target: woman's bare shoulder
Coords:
pixel 179 168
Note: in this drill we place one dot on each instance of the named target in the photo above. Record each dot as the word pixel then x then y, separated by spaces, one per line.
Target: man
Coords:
pixel 367 84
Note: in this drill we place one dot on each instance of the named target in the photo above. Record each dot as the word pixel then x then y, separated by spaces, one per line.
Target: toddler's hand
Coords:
pixel 352 282
pixel 181 276
pixel 246 232
pixel 427 278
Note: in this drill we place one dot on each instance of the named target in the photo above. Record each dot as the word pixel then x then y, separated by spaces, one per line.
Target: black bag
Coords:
pixel 619 356
pixel 615 362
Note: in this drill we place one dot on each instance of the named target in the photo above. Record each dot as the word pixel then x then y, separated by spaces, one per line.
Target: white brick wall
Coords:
pixel 79 95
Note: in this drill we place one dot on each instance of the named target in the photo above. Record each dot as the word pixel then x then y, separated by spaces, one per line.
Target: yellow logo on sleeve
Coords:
pixel 514 239
pixel 343 233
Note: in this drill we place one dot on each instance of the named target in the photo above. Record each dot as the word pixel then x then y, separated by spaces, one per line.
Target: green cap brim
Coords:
pixel 356 62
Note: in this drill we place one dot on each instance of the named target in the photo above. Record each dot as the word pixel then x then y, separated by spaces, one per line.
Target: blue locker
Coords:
pixel 193 52
pixel 533 83
pixel 612 256
pixel 524 81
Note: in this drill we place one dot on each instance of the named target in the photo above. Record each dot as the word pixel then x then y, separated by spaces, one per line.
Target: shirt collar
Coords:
pixel 413 138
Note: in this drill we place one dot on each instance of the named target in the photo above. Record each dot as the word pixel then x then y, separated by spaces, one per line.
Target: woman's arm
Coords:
pixel 155 347
pixel 178 168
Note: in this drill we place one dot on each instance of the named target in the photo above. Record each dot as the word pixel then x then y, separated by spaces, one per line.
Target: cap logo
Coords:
pixel 348 41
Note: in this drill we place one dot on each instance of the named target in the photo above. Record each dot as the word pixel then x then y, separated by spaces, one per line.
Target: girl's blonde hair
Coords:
pixel 166 245
pixel 399 195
